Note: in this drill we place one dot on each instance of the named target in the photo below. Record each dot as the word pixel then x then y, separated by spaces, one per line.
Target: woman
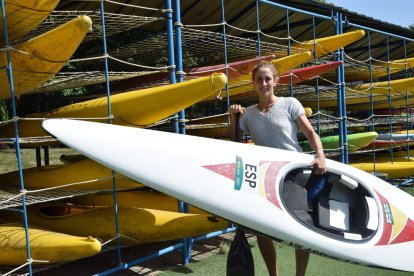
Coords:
pixel 274 122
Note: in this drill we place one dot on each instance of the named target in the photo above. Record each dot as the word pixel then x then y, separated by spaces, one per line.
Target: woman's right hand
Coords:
pixel 236 108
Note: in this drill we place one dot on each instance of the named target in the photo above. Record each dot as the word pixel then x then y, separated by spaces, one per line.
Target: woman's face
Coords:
pixel 264 81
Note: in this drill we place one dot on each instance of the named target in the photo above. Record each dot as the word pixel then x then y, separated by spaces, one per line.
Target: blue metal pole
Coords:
pixel 378 31
pixel 339 94
pixel 223 19
pixel 289 51
pixel 9 71
pixel 182 206
pixel 170 47
pixel 318 127
pixel 109 110
pixel 179 59
pixel 371 98
pixel 258 28
pixel 343 96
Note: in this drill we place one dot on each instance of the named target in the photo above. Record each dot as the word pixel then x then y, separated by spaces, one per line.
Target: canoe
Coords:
pixel 133 198
pixel 87 173
pixel 299 75
pixel 45 245
pixel 238 71
pixel 396 169
pixel 23 16
pixel 380 69
pixel 396 136
pixel 36 60
pixel 381 101
pixel 235 69
pixel 355 216
pixel 135 108
pixel 283 65
pixel 243 87
pixel 136 225
pixel 356 141
pixel 393 87
pixel 326 45
pixel 387 144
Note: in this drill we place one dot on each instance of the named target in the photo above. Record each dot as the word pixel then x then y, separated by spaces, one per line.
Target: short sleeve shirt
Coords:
pixel 276 128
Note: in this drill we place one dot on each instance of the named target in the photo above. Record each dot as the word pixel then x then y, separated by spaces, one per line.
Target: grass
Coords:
pixel 8 158
pixel 216 265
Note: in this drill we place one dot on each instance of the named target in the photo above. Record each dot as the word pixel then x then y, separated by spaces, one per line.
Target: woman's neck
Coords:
pixel 266 103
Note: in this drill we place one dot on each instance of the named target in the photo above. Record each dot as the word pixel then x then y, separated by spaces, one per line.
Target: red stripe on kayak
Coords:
pixel 227 170
pixel 307 73
pixel 270 184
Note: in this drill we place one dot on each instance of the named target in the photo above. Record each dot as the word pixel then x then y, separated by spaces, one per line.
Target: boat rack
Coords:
pixel 173 44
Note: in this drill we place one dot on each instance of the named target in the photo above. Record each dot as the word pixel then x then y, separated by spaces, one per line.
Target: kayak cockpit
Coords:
pixel 333 204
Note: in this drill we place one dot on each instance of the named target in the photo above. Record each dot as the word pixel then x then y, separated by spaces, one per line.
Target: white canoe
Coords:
pixel 355 217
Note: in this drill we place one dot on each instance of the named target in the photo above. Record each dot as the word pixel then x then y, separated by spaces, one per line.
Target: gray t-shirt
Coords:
pixel 276 128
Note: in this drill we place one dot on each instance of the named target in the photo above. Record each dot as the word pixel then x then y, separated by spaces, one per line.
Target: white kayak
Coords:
pixel 395 136
pixel 347 214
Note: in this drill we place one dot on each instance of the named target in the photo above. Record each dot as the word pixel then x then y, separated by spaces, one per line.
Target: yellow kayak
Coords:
pixel 135 108
pixel 24 16
pixel 379 69
pixel 36 60
pixel 397 101
pixel 133 198
pixel 401 167
pixel 90 175
pixel 45 245
pixel 329 44
pixel 136 225
pixel 384 87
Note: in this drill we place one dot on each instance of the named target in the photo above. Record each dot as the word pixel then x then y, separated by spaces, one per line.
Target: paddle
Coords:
pixel 240 258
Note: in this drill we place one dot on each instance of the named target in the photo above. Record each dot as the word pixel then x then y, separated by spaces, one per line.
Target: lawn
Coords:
pixel 216 265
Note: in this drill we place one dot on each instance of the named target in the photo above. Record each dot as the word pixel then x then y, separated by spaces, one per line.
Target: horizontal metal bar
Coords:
pixel 376 31
pixel 295 9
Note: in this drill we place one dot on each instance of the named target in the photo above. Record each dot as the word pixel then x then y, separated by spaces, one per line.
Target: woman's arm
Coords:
pixel 305 126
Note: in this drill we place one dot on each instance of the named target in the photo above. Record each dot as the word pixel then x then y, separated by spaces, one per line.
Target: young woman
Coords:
pixel 274 122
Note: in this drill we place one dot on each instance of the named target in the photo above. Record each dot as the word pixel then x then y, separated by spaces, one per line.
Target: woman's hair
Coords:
pixel 264 64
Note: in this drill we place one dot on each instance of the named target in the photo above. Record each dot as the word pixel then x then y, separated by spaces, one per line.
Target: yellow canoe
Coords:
pixel 381 101
pixel 45 245
pixel 384 87
pixel 284 64
pixel 329 44
pixel 133 198
pixel 89 174
pixel 397 169
pixel 136 225
pixel 36 60
pixel 23 16
pixel 135 108
pixel 379 69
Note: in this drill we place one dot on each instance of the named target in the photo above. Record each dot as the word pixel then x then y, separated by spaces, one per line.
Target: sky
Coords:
pixel 399 12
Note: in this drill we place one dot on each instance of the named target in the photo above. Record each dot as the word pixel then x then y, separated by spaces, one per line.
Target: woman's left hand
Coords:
pixel 319 164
